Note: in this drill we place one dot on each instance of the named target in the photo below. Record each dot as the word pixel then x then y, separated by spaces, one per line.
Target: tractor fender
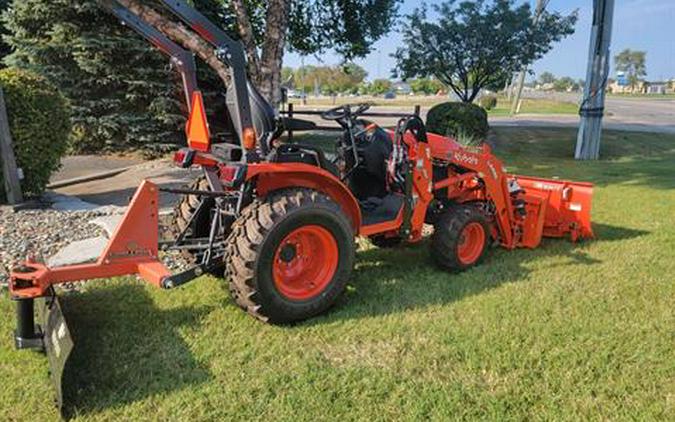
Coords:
pixel 270 177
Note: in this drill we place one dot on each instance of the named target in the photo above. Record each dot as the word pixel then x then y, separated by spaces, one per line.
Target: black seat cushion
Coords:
pixel 308 154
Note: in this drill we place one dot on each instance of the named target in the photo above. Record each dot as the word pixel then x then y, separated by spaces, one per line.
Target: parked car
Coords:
pixel 296 94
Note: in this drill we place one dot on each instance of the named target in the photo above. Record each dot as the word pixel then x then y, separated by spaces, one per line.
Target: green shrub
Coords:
pixel 39 120
pixel 454 119
pixel 488 101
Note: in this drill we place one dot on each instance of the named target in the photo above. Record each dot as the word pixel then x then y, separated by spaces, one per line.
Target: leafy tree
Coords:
pixel 380 86
pixel 633 64
pixel 331 79
pixel 268 28
pixel 565 84
pixel 122 91
pixel 426 86
pixel 546 78
pixel 5 49
pixel 121 88
pixel 474 44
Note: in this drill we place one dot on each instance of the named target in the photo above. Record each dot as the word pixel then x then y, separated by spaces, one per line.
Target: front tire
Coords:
pixel 290 255
pixel 461 238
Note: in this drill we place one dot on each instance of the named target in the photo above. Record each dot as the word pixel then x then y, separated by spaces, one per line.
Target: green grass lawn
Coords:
pixel 535 106
pixel 564 332
pixel 529 106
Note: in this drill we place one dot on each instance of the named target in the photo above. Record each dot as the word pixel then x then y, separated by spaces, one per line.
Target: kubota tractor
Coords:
pixel 280 220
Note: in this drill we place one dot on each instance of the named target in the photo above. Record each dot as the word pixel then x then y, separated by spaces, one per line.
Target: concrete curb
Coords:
pixel 89 178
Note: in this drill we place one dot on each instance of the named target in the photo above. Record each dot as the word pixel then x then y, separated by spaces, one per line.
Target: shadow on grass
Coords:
pixel 126 349
pixel 390 281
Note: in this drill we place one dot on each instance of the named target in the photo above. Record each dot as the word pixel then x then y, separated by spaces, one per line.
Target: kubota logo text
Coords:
pixel 466 158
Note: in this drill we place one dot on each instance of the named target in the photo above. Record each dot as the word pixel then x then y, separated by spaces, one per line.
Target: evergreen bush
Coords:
pixel 39 121
pixel 454 119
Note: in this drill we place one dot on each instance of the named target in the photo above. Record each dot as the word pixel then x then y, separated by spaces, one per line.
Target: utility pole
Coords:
pixel 11 173
pixel 593 105
pixel 541 6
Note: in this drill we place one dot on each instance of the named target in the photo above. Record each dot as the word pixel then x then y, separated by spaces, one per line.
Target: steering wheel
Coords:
pixel 345 111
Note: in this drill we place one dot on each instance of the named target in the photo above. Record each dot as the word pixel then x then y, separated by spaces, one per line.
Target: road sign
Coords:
pixel 622 79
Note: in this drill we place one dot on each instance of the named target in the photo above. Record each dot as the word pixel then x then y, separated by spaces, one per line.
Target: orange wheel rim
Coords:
pixel 305 262
pixel 471 243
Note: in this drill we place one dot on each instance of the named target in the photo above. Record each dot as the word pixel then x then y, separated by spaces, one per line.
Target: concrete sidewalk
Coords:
pixel 119 189
pixel 85 165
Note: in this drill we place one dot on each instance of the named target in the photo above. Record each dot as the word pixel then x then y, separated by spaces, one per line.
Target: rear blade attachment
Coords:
pixel 568 206
pixel 58 343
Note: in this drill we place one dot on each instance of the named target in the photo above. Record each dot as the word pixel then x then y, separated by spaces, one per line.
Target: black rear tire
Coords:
pixel 448 249
pixel 256 239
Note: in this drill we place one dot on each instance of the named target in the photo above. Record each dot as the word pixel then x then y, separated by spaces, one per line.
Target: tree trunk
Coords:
pixel 246 34
pixel 180 34
pixel 273 50
pixel 264 71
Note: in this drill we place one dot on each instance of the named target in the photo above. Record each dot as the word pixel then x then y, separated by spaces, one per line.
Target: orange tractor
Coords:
pixel 280 220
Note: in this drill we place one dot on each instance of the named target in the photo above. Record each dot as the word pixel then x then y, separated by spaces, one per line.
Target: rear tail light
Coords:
pixel 250 138
pixel 232 175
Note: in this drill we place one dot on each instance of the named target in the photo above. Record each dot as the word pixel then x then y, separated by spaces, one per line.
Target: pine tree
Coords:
pixel 4 48
pixel 123 92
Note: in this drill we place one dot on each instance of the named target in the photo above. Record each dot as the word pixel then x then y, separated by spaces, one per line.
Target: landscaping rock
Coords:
pixel 40 233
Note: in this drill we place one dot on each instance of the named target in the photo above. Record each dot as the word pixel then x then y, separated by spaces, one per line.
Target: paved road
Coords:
pixel 641 115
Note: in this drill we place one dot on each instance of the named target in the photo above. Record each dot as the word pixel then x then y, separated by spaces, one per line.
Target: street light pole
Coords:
pixel 541 5
pixel 593 105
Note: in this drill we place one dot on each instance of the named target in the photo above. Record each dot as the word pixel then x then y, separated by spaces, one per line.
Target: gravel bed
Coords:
pixel 42 233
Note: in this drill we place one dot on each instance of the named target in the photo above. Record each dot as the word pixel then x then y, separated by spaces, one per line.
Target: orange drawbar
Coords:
pixel 133 249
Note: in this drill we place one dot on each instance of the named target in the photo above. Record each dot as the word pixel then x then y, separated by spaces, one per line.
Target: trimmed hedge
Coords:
pixel 458 120
pixel 39 120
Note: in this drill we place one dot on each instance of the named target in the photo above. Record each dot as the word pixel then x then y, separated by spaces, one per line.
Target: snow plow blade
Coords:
pixel 58 343
pixel 567 209
pixel 45 332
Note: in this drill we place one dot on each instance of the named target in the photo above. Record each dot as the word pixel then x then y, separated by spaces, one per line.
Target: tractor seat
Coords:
pixel 307 154
pixel 369 178
pixel 262 113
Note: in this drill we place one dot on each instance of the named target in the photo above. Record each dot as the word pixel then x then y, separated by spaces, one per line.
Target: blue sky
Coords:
pixel 647 25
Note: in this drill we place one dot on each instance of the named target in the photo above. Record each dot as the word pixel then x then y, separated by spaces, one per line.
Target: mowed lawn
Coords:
pixel 564 332
pixel 503 108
